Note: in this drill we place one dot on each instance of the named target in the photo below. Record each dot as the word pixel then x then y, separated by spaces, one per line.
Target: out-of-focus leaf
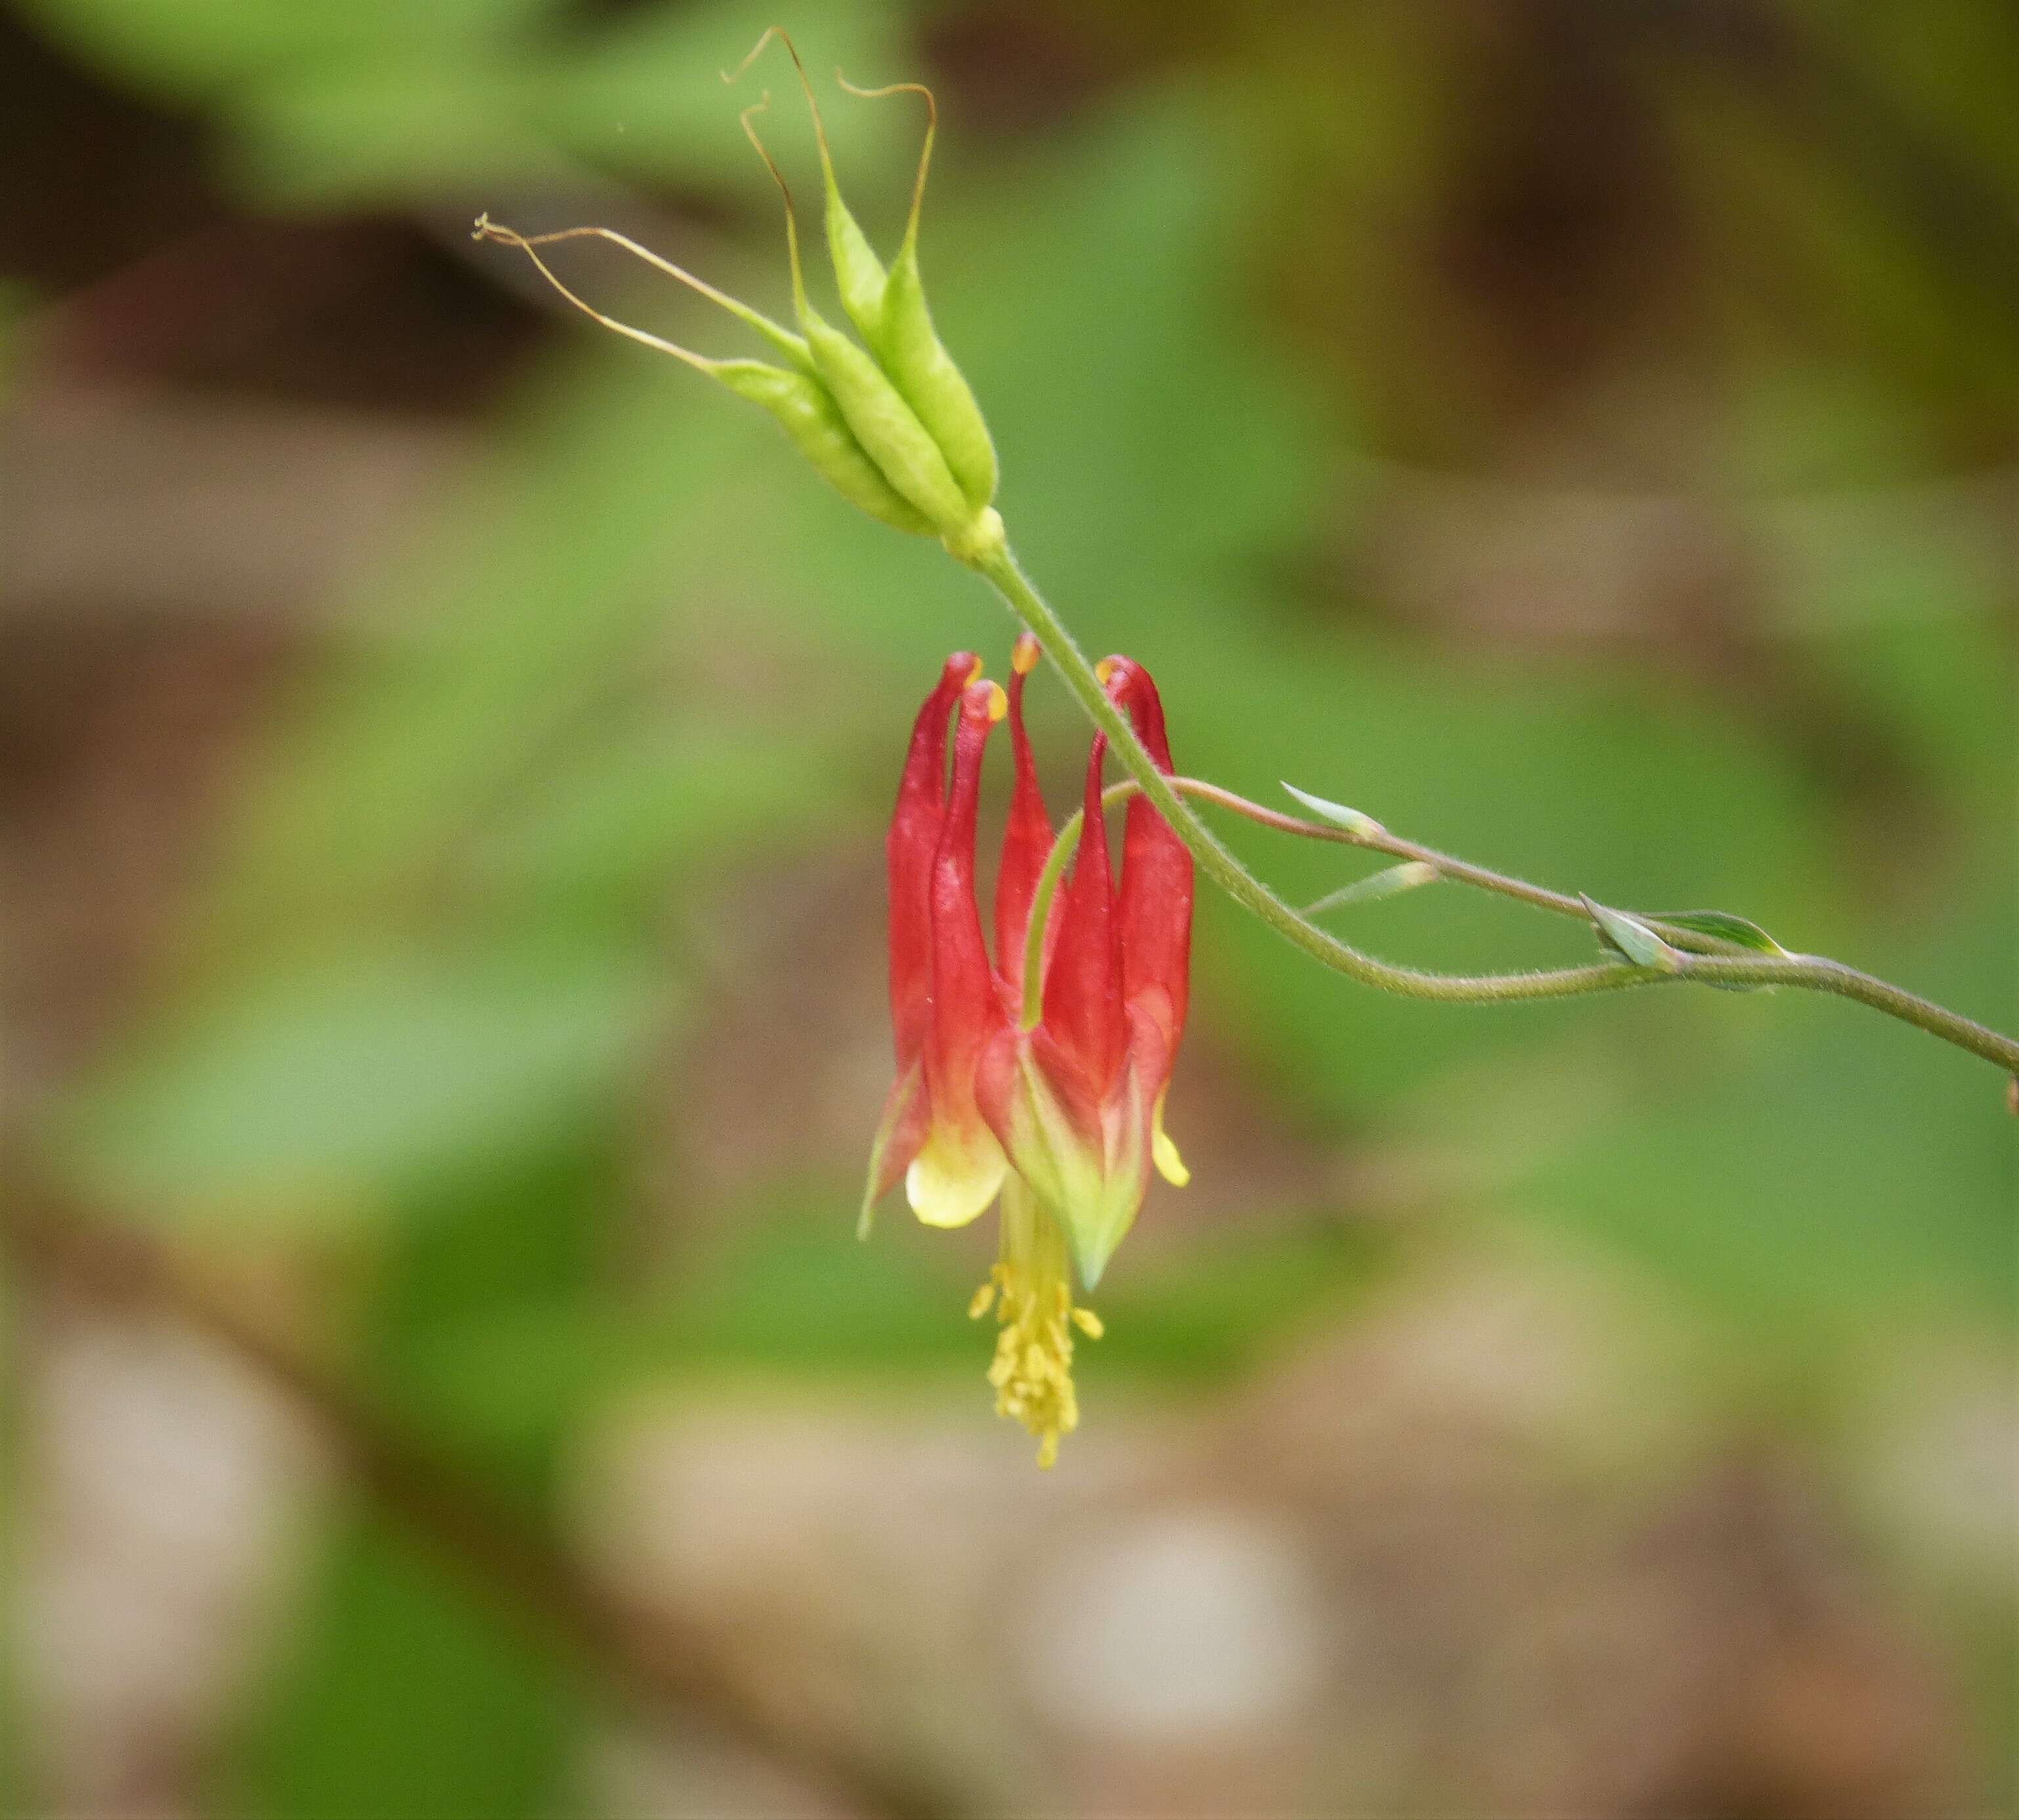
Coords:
pixel 382 134
pixel 414 1697
pixel 1634 939
pixel 323 1089
pixel 421 1681
pixel 1833 1178
pixel 649 813
pixel 191 50
pixel 1724 926
pixel 545 583
pixel 644 95
pixel 792 1297
pixel 388 102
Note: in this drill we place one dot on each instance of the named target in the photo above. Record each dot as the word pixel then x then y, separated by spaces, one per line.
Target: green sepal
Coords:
pixel 1093 1192
pixel 1723 925
pixel 1351 820
pixel 1390 883
pixel 1633 940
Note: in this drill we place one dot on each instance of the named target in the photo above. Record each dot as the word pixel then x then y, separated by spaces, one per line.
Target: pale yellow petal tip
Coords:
pixel 947 1196
pixel 1170 1166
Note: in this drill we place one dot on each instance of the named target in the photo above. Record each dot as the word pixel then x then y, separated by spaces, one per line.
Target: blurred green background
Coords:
pixel 444 754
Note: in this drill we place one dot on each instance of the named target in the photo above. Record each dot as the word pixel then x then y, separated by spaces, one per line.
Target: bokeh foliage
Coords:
pixel 460 925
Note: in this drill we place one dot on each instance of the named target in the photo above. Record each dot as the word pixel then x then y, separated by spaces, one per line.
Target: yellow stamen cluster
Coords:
pixel 1030 1288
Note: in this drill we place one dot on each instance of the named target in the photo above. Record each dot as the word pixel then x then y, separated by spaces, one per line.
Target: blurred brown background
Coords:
pixel 444 753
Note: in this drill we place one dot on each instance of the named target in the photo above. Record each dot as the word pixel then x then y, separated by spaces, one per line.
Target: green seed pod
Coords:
pixel 885 426
pixel 883 422
pixel 858 273
pixel 921 369
pixel 806 411
pixel 795 396
pixel 900 331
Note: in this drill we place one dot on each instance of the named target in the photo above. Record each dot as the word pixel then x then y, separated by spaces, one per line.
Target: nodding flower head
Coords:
pixel 1062 1115
pixel 889 421
pixel 1076 1096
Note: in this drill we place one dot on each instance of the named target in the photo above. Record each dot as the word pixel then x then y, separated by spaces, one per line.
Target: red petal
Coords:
pixel 1083 1014
pixel 1155 907
pixel 1026 843
pixel 965 1009
pixel 908 850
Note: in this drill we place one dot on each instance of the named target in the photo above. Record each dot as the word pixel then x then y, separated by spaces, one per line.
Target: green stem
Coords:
pixel 1812 972
pixel 1041 908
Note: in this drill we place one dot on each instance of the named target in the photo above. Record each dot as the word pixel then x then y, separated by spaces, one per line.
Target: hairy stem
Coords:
pixel 1700 958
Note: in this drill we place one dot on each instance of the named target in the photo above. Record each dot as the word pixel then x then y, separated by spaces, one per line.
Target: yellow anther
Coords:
pixel 1024 659
pixel 1031 1289
pixel 974 675
pixel 998 702
pixel 981 1301
pixel 1105 671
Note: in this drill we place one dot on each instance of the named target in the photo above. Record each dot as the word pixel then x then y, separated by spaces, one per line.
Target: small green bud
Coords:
pixel 1633 940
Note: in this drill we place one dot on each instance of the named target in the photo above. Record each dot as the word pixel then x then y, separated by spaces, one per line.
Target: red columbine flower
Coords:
pixel 1078 1100
pixel 1062 1118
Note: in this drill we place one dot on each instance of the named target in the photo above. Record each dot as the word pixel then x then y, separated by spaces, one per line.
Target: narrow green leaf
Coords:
pixel 1724 926
pixel 1390 884
pixel 333 1086
pixel 1633 940
pixel 1351 820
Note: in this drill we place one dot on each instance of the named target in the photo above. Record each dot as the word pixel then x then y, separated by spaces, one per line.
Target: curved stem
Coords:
pixel 1219 864
pixel 1376 839
pixel 1068 840
pixel 1700 958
